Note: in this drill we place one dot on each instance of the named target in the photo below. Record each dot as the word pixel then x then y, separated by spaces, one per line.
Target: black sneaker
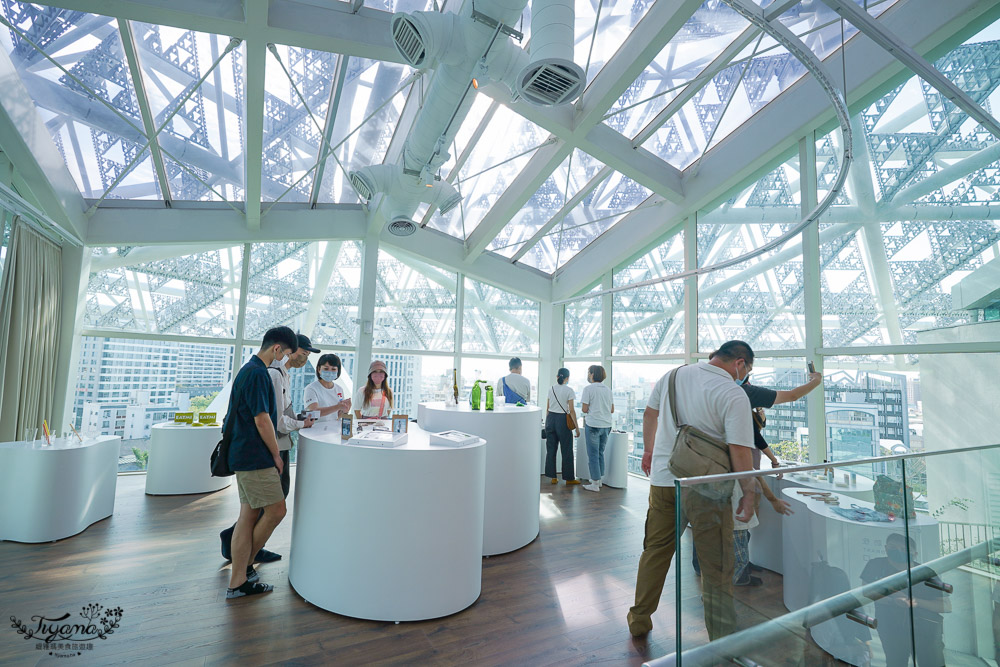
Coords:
pixel 226 537
pixel 265 556
pixel 248 588
pixel 750 581
pixel 755 568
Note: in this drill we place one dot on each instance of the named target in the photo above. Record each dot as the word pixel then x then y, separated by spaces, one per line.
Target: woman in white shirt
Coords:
pixel 325 394
pixel 597 403
pixel 374 398
pixel 557 433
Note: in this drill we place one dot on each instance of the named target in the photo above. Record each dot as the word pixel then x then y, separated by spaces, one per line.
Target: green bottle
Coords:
pixel 489 397
pixel 474 396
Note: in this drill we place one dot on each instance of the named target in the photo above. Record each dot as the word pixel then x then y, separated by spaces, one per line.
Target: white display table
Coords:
pixel 51 492
pixel 512 467
pixel 766 538
pixel 826 542
pixel 387 534
pixel 616 460
pixel 179 460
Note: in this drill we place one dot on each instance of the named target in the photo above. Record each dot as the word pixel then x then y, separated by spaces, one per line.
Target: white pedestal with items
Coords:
pixel 512 469
pixel 48 492
pixel 179 457
pixel 387 533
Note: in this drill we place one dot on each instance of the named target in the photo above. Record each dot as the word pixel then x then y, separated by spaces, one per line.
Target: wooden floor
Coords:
pixel 561 600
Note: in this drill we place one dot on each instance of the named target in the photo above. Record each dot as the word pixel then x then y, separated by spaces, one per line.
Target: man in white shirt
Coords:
pixel 707 398
pixel 514 387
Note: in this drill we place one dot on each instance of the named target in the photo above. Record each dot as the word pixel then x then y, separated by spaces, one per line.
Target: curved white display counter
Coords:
pixel 828 554
pixel 512 467
pixel 616 460
pixel 48 492
pixel 179 460
pixel 766 538
pixel 387 534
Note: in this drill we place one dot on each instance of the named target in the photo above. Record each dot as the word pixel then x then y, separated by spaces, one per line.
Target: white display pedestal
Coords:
pixel 616 460
pixel 51 492
pixel 387 533
pixel 582 464
pixel 179 458
pixel 766 538
pixel 825 542
pixel 512 470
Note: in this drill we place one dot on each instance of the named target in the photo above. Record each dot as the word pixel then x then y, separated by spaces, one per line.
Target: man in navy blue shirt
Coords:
pixel 254 456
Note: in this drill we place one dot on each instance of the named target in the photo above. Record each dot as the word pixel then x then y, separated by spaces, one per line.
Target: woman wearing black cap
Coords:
pixel 558 405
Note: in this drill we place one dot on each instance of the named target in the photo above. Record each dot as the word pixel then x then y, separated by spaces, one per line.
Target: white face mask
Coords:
pixel 328 376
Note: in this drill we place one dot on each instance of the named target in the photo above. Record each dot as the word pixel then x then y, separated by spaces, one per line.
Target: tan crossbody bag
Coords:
pixel 697 454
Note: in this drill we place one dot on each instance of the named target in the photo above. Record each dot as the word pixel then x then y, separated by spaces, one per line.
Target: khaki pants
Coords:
pixel 712 528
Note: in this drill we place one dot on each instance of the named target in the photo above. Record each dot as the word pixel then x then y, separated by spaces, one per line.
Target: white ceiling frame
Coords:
pixel 769 134
pixel 253 153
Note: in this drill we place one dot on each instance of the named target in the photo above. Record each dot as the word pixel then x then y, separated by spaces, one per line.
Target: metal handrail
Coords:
pixel 734 645
pixel 709 479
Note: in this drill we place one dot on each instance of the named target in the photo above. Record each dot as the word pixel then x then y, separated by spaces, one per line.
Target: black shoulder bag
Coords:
pixel 220 455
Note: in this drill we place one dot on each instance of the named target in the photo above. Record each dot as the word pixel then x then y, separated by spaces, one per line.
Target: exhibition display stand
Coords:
pixel 766 538
pixel 387 533
pixel 616 460
pixel 512 470
pixel 48 492
pixel 828 554
pixel 179 459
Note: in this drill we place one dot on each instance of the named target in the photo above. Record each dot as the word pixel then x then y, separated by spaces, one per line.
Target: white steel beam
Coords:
pixel 256 63
pixel 773 131
pixel 27 143
pixel 333 106
pixel 884 37
pixel 812 295
pixel 949 174
pixel 149 126
pixel 323 276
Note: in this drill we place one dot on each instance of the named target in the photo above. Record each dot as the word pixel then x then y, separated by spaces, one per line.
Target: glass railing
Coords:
pixel 887 561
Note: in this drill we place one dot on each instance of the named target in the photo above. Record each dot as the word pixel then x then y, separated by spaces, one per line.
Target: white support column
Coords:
pixel 75 276
pixel 241 312
pixel 691 289
pixel 366 311
pixel 815 400
pixel 607 327
pixel 459 321
pixel 550 347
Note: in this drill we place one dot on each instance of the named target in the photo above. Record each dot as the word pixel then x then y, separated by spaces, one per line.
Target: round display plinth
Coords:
pixel 179 460
pixel 387 534
pixel 512 466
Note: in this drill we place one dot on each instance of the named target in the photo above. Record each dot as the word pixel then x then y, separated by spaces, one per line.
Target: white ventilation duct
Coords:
pixel 552 77
pixel 473 45
pixel 403 192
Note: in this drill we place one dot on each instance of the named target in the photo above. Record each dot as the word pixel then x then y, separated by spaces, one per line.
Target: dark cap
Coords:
pixel 305 344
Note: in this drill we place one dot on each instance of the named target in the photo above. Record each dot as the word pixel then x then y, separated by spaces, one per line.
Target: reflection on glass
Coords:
pixel 498 322
pixel 415 304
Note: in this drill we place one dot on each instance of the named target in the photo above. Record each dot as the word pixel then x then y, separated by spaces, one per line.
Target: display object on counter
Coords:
pixel 489 397
pixel 475 394
pixel 452 438
pixel 378 438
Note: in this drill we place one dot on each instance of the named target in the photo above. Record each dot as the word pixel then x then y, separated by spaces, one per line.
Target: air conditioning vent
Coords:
pixel 449 203
pixel 549 84
pixel 402 227
pixel 408 41
pixel 366 190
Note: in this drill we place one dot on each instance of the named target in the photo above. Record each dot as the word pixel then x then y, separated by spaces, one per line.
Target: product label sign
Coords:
pixel 207 417
pixel 183 417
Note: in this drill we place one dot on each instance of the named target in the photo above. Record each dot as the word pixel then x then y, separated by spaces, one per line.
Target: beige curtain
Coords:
pixel 29 331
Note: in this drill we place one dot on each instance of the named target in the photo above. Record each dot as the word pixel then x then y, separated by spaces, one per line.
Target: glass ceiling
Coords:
pixel 144 111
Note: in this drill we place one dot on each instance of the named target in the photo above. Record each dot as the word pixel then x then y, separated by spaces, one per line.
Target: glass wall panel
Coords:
pixel 582 328
pixel 311 287
pixel 124 386
pixel 415 304
pixel 650 320
pixel 4 239
pixel 160 289
pixel 633 382
pixel 499 322
pixel 785 428
pixel 759 301
pixel 414 378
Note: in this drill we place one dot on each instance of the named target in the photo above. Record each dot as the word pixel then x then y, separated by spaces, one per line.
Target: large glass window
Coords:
pixel 124 386
pixel 165 290
pixel 633 382
pixel 312 287
pixel 490 370
pixel 650 320
pixel 415 305
pixel 583 328
pixel 499 322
